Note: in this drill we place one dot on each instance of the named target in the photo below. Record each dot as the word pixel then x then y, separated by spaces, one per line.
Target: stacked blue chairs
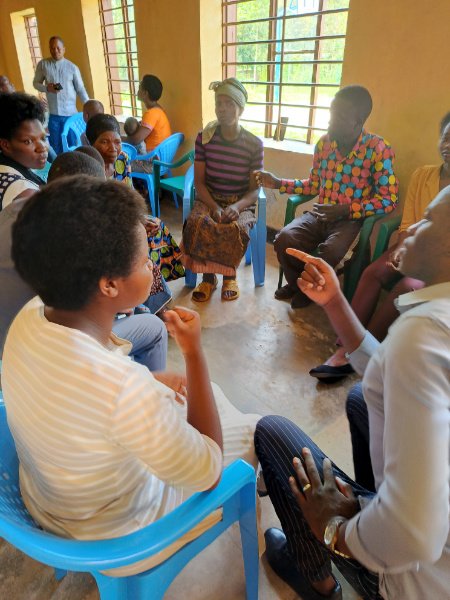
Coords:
pixel 236 494
pixel 256 250
pixel 73 128
pixel 165 152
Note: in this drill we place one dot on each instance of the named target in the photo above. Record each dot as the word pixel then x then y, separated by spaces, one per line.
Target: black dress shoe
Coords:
pixel 283 565
pixel 329 374
pixel 284 293
pixel 300 300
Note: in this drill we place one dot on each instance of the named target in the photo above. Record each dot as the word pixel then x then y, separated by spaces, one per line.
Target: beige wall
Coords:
pixel 397 49
pixel 168 41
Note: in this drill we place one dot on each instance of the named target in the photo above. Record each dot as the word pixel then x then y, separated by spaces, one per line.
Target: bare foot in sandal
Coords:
pixel 230 289
pixel 203 291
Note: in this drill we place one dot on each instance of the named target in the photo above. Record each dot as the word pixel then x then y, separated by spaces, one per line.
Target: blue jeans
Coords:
pixel 148 335
pixel 55 129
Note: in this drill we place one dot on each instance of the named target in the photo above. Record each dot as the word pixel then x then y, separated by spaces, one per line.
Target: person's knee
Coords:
pixel 269 431
pixel 159 330
pixel 355 400
pixel 283 241
pixel 405 285
pixel 264 427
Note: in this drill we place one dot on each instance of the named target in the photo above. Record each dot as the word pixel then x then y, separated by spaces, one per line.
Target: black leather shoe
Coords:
pixel 329 374
pixel 284 293
pixel 300 300
pixel 283 565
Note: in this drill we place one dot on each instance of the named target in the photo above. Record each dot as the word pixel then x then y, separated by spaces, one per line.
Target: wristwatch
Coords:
pixel 330 535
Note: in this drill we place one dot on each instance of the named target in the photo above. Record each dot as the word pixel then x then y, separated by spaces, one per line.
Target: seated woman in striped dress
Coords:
pixel 216 233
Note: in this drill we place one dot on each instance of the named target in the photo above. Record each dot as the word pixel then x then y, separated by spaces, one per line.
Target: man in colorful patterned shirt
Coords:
pixel 353 176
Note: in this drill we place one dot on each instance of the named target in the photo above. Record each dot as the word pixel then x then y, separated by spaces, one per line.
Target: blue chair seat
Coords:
pixel 171 184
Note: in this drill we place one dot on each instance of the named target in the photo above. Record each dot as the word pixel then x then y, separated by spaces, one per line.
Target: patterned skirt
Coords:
pixel 211 247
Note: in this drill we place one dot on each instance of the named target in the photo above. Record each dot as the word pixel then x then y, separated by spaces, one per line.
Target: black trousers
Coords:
pixel 358 420
pixel 277 441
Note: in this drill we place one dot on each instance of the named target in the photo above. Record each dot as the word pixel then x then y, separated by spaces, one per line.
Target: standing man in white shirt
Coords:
pixel 61 81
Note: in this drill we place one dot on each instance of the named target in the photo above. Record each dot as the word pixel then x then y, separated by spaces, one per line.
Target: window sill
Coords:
pixel 288 146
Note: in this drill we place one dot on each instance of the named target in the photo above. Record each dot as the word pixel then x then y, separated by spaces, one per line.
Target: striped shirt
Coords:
pixel 229 164
pixel 104 448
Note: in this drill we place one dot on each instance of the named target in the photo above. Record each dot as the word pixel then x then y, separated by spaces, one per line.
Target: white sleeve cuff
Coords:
pixel 361 356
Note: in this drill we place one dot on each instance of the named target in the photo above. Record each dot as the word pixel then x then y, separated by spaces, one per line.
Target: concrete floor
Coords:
pixel 259 351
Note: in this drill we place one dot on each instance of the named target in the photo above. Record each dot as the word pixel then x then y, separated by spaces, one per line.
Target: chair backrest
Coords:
pixel 130 150
pixel 167 149
pixel 12 507
pixel 73 128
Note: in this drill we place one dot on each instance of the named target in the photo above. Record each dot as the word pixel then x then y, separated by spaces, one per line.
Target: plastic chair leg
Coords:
pixel 60 574
pixel 249 539
pixel 190 279
pixel 112 588
pixel 248 254
pixel 175 199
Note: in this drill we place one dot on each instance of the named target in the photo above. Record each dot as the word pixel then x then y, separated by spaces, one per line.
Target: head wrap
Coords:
pixel 232 88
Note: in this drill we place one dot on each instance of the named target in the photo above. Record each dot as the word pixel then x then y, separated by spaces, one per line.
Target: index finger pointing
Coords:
pixel 303 256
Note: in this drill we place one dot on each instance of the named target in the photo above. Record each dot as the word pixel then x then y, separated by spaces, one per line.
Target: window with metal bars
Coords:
pixel 289 55
pixel 119 46
pixel 33 39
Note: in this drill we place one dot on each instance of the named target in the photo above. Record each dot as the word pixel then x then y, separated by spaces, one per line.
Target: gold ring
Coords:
pixel 306 487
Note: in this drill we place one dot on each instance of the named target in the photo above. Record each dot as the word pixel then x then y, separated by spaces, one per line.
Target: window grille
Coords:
pixel 120 50
pixel 289 55
pixel 34 44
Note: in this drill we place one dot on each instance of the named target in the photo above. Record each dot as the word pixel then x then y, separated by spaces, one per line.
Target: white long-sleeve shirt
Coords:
pixel 68 75
pixel 403 533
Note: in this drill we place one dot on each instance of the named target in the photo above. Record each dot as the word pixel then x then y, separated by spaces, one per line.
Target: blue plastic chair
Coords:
pixel 236 493
pixel 165 152
pixel 130 150
pixel 256 250
pixel 171 184
pixel 73 128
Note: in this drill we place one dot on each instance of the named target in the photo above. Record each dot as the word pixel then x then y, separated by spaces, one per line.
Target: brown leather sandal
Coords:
pixel 230 285
pixel 203 291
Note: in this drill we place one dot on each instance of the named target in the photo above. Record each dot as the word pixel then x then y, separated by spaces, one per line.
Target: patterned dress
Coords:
pixel 212 247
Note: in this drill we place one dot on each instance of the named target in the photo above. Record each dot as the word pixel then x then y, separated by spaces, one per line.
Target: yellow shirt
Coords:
pixel 155 119
pixel 422 189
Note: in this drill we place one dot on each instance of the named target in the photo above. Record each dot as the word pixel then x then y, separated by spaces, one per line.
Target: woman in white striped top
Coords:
pixel 104 447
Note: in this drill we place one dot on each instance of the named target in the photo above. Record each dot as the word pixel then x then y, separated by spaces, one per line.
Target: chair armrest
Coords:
pixel 292 204
pixel 118 552
pixel 387 228
pixel 149 155
pixel 188 156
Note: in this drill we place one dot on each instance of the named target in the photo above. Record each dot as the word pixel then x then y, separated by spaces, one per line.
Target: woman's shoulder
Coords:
pixel 427 170
pixel 251 138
